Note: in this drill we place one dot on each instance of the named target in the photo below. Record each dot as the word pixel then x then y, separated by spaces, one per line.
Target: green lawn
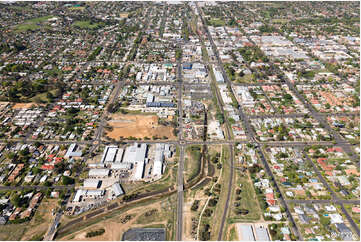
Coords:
pixel 224 181
pixel 32 24
pixel 248 78
pixel 192 164
pixel 86 25
pixel 248 198
pixel 81 8
pixel 42 96
pixel 280 21
pixel 216 22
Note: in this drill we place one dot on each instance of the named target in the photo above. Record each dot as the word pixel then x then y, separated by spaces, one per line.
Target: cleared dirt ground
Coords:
pixel 113 227
pixel 23 105
pixel 138 126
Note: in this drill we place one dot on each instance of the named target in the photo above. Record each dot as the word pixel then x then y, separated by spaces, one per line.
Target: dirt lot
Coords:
pixel 41 220
pixel 188 214
pixel 138 126
pixel 23 105
pixel 114 228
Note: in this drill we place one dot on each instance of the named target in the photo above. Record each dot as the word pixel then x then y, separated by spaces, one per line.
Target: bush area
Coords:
pixel 95 233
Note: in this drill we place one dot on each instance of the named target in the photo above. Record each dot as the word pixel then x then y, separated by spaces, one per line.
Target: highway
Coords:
pixel 180 178
pixel 250 135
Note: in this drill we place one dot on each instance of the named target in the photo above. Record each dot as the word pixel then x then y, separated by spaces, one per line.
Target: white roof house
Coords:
pixel 336 218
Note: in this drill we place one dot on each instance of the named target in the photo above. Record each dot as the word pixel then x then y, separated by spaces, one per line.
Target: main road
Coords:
pixel 250 135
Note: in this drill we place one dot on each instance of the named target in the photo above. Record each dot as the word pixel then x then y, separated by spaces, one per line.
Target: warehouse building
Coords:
pixel 122 166
pixel 71 152
pixel 80 194
pixel 262 234
pixel 117 189
pixel 92 183
pixel 246 232
pixel 135 153
pixel 99 173
pixel 112 154
pixel 139 170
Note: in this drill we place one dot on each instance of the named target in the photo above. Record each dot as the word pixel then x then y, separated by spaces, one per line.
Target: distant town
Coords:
pixel 180 121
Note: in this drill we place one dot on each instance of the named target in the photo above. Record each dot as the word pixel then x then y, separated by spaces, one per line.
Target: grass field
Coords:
pixel 216 22
pixel 247 201
pixel 32 24
pixel 86 25
pixel 192 162
pixel 226 172
pixel 168 179
pixel 42 96
pixel 279 21
pixel 13 231
pixel 34 229
pixel 248 78
pixel 233 234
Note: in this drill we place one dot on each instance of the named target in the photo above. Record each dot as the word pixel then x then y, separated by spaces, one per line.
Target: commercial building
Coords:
pixel 71 152
pixel 117 189
pixel 99 173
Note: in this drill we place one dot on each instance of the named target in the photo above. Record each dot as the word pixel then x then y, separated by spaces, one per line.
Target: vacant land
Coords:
pixel 243 197
pixel 12 231
pixel 80 8
pixel 33 230
pixel 41 220
pixel 138 126
pixel 23 105
pixel 115 227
